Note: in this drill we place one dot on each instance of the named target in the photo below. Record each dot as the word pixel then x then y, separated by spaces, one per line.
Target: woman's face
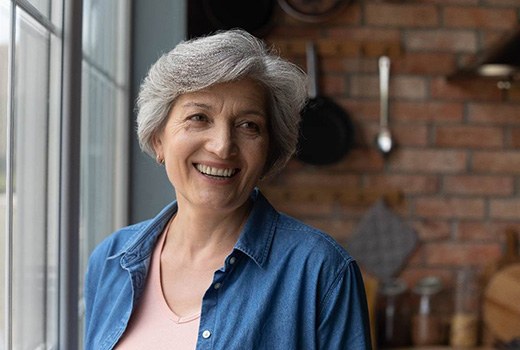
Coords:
pixel 215 144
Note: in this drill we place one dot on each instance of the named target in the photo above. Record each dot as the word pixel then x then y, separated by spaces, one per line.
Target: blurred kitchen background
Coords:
pixel 434 222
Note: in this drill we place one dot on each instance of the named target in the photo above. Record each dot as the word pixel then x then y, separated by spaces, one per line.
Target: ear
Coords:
pixel 158 145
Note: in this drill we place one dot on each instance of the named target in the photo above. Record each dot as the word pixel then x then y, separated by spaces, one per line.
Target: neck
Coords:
pixel 196 234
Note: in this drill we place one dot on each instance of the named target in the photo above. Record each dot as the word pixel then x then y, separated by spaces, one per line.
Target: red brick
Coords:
pixel 479 185
pixel 287 27
pixel 494 113
pixel 403 87
pixel 364 33
pixel 403 135
pixel 492 38
pixel 513 95
pixel 451 254
pixel 332 65
pixel 429 161
pixel 312 176
pixel 361 86
pixel 409 184
pixel 440 40
pixel 332 85
pixel 409 135
pixel 451 2
pixel 428 111
pixel 339 228
pixel 505 209
pixel 503 2
pixel 458 90
pixel 456 208
pixel 408 87
pixel 348 16
pixel 504 162
pixel 361 159
pixel 515 138
pixel 301 209
pixel 424 63
pixel 365 134
pixel 489 231
pixel 479 17
pixel 359 64
pixel 469 136
pixel 366 110
pixel 432 229
pixel 399 15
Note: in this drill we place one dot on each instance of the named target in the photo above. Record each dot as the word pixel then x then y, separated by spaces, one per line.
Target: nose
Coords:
pixel 222 142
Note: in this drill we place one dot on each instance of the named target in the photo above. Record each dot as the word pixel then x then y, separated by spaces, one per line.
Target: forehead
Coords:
pixel 245 92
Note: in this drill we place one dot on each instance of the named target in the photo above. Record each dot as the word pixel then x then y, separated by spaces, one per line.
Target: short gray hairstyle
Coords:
pixel 223 57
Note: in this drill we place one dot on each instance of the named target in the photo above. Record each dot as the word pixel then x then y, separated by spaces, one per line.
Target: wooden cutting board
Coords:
pixel 501 304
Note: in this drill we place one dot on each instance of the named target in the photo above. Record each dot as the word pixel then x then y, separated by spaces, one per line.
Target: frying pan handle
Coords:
pixel 312 69
pixel 384 77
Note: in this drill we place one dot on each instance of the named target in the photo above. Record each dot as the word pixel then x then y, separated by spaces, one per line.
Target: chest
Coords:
pixel 184 283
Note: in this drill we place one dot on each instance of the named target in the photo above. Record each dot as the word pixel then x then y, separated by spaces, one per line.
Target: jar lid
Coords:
pixel 428 285
pixel 393 287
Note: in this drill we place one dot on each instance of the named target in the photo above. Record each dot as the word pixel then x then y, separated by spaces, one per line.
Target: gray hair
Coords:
pixel 223 57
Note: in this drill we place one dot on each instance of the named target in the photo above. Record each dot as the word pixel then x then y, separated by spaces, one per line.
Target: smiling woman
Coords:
pixel 220 267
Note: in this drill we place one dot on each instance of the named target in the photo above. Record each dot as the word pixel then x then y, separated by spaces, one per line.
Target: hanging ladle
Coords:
pixel 383 140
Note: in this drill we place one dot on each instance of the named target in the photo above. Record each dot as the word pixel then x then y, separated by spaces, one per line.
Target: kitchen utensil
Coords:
pixel 382 242
pixel 501 307
pixel 383 139
pixel 326 130
pixel 252 16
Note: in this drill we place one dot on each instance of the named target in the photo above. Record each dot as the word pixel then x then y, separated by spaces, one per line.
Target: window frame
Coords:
pixel 68 36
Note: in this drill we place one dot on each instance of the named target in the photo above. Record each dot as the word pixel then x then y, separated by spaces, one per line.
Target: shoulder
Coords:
pixel 118 241
pixel 310 242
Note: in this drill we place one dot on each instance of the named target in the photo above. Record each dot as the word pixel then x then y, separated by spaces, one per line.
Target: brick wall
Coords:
pixel 458 155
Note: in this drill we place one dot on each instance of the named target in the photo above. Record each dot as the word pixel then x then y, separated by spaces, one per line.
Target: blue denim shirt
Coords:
pixel 284 286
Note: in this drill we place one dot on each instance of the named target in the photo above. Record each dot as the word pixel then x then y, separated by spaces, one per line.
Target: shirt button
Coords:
pixel 232 260
pixel 206 334
pixel 217 285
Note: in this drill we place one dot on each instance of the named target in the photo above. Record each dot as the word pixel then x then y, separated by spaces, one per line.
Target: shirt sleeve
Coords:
pixel 343 320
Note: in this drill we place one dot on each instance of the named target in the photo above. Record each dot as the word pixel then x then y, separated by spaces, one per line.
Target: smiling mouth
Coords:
pixel 221 173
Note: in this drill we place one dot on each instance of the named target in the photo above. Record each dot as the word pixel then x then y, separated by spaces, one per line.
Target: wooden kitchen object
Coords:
pixel 501 307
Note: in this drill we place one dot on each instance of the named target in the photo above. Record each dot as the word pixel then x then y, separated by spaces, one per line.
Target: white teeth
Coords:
pixel 205 169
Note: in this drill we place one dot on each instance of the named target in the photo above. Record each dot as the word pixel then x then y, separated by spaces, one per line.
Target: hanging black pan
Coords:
pixel 252 16
pixel 326 130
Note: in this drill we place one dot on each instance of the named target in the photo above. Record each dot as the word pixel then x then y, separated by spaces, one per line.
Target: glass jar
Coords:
pixel 464 323
pixel 427 325
pixel 393 315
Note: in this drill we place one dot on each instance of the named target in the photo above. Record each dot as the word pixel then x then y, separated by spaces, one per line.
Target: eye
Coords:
pixel 197 118
pixel 250 126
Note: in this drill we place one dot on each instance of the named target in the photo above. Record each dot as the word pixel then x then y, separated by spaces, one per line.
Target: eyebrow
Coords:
pixel 205 106
pixel 195 104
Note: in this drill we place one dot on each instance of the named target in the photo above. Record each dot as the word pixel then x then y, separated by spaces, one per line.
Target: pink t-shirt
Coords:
pixel 153 324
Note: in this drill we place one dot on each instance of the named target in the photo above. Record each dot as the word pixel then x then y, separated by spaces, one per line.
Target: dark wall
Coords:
pixel 158 25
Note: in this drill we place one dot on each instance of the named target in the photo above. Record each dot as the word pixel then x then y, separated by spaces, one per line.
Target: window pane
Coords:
pixel 97 156
pixel 4 52
pixel 34 272
pixel 105 36
pixel 42 5
pixel 104 126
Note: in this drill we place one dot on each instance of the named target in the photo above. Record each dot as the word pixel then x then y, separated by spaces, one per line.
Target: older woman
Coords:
pixel 220 268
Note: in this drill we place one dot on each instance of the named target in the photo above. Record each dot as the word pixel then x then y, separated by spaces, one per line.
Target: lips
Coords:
pixel 216 172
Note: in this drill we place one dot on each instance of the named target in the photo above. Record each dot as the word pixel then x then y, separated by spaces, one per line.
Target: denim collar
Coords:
pixel 254 241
